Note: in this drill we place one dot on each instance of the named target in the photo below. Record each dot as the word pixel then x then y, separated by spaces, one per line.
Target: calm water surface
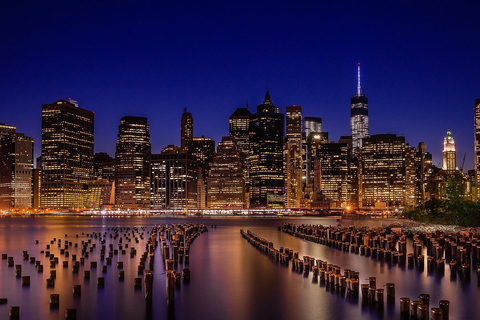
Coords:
pixel 230 279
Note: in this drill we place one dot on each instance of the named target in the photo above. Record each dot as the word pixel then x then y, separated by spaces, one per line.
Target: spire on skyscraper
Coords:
pixel 359 87
pixel 359 127
pixel 267 100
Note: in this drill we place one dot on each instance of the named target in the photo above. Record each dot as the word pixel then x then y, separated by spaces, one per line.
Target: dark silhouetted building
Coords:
pixel 186 129
pixel 203 150
pixel 101 192
pixel 266 156
pixel 132 164
pixel 104 167
pixel 174 175
pixel 67 154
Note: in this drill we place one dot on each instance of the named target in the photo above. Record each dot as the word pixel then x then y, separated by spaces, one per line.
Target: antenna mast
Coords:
pixel 359 88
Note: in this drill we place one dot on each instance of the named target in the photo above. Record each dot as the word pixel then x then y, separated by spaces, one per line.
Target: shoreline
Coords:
pixel 407 225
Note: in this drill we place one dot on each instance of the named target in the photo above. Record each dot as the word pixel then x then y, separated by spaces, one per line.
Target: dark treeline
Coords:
pixel 453 208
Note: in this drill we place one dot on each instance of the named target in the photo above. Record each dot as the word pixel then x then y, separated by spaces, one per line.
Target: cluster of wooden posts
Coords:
pixel 377 244
pixel 177 237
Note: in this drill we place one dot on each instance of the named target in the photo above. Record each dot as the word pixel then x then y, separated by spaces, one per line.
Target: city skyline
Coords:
pixel 125 62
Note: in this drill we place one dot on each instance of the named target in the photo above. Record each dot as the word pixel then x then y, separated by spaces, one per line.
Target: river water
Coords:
pixel 230 279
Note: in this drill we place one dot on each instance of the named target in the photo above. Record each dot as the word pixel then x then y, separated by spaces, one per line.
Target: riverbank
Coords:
pixel 406 225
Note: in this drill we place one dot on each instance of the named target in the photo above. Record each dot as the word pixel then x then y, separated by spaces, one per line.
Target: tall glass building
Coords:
pixel 359 127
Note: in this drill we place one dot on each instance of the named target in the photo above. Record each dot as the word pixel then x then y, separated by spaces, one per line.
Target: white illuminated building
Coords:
pixel 449 153
pixel 359 127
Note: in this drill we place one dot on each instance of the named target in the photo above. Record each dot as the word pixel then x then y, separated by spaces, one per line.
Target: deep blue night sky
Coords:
pixel 420 64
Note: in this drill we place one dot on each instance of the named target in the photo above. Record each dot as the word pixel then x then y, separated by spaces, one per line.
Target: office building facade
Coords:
pixel 226 184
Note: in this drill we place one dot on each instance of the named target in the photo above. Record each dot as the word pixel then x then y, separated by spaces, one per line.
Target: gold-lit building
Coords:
pixel 293 160
pixel 132 164
pixel 99 194
pixel 336 175
pixel 449 153
pixel 67 154
pixel 225 183
pixel 387 172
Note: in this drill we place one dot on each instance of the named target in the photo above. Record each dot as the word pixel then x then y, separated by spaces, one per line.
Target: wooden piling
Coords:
pixel 148 285
pixel 404 308
pixel 445 306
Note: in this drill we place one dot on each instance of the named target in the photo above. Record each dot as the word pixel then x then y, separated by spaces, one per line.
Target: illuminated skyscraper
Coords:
pixel 449 153
pixel 359 127
pixel 293 157
pixel 16 171
pixel 266 156
pixel 67 154
pixel 186 129
pixel 477 146
pixel 226 183
pixel 132 164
